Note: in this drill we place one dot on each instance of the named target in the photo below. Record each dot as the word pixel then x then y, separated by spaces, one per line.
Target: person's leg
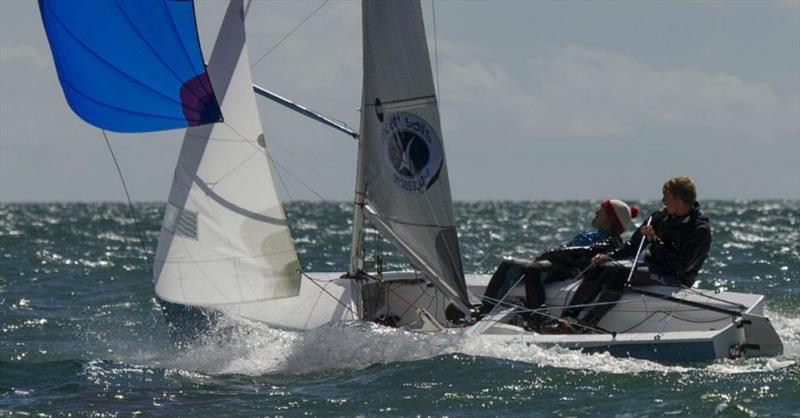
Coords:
pixel 615 279
pixel 588 289
pixel 501 282
pixel 497 280
pixel 535 275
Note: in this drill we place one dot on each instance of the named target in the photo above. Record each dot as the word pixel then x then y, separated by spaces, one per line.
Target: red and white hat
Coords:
pixel 619 214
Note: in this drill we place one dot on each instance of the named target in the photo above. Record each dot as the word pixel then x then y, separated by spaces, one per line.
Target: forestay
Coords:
pixel 406 185
pixel 224 237
pixel 130 66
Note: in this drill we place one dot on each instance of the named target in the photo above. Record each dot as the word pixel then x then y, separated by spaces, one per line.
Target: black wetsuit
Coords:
pixel 674 259
pixel 553 265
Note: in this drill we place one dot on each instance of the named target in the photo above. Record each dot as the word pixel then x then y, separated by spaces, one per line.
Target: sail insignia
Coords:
pixel 130 66
pixel 413 150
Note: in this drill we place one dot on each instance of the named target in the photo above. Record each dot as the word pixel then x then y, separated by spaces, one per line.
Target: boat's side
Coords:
pixel 672 310
pixel 681 325
pixel 671 347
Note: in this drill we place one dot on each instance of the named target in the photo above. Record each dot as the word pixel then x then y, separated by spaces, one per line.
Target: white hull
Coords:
pixel 652 328
pixel 644 326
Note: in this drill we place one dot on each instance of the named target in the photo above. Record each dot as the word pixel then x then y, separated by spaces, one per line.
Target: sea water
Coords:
pixel 81 332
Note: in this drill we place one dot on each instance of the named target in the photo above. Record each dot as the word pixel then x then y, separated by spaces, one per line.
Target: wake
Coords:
pixel 238 346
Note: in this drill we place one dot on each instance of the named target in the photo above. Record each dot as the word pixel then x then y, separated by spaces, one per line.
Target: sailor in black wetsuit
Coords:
pixel 610 219
pixel 679 239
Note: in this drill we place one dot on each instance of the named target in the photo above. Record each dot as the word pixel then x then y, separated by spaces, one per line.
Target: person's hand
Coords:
pixel 648 232
pixel 600 259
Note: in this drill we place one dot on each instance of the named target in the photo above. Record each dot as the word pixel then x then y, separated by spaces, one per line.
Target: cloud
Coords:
pixel 576 92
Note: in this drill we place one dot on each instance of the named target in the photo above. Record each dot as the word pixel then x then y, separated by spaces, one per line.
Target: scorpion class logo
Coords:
pixel 413 150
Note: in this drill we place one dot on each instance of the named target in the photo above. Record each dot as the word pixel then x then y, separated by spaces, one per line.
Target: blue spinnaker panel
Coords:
pixel 130 66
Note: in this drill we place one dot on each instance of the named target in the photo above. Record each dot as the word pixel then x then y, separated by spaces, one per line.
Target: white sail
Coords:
pixel 406 184
pixel 224 238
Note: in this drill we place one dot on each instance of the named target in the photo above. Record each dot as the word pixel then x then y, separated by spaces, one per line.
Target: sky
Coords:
pixel 539 100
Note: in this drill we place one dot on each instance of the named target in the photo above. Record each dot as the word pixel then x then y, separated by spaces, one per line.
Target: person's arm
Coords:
pixel 566 255
pixel 608 245
pixel 580 256
pixel 689 257
pixel 629 249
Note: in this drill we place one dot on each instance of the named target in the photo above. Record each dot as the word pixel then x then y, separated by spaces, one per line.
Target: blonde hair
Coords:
pixel 683 188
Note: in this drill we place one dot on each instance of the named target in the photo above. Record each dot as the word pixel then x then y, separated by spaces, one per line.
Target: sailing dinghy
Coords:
pixel 225 246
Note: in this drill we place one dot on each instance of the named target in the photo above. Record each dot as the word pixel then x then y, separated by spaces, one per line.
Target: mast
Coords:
pixel 357 244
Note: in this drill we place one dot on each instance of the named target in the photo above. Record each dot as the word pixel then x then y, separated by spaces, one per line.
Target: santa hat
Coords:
pixel 619 214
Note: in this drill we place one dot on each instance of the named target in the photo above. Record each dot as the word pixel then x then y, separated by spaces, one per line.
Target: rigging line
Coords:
pixel 269 157
pixel 297 180
pixel 518 309
pixel 289 34
pixel 665 321
pixel 413 304
pixel 545 308
pixel 232 170
pixel 436 49
pixel 496 308
pixel 701 294
pixel 389 289
pixel 409 305
pixel 304 274
pixel 280 177
pixel 130 204
pixel 258 150
pixel 244 138
pixel 688 302
pixel 501 301
pixel 646 318
pixel 423 288
pixel 274 143
pixel 700 321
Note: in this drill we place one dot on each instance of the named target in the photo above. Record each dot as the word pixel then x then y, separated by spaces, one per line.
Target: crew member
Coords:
pixel 679 238
pixel 610 220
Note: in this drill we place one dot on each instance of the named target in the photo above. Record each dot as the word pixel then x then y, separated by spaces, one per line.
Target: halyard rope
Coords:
pixel 285 37
pixel 130 204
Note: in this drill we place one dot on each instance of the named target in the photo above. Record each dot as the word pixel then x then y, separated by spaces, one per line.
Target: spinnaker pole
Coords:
pixel 313 114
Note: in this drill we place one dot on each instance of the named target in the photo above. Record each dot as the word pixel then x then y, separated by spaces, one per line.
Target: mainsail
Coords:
pixel 130 66
pixel 224 238
pixel 406 184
